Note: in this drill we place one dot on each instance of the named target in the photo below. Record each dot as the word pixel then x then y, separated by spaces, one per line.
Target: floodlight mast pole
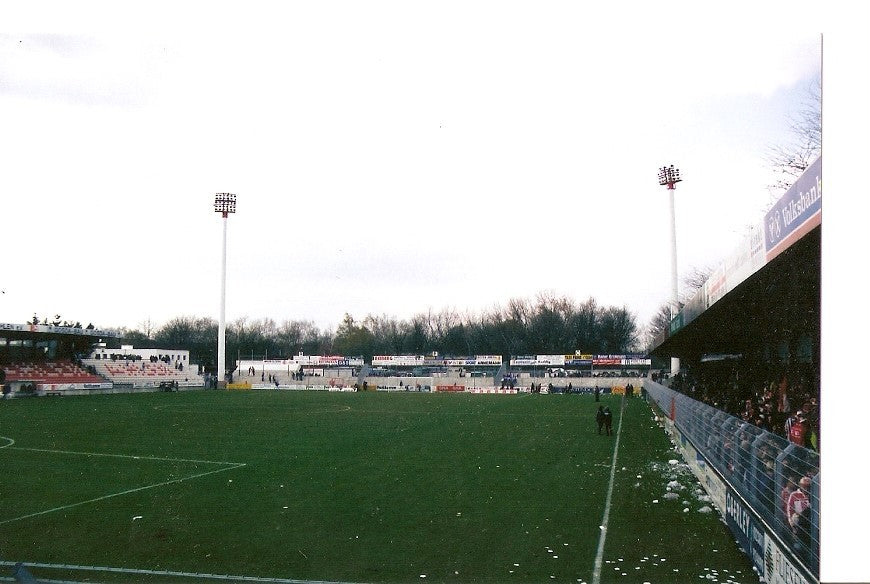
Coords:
pixel 670 176
pixel 224 203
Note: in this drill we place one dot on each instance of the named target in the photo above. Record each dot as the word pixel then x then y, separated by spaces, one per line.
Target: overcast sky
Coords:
pixel 388 157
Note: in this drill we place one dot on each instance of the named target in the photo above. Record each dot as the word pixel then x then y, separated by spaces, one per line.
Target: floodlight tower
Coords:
pixel 670 176
pixel 224 203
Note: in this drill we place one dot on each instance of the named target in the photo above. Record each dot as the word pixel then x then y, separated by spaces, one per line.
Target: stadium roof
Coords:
pixel 33 331
pixel 769 286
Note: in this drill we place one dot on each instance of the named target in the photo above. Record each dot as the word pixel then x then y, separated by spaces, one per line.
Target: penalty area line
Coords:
pixel 128 456
pixel 171 573
pixel 599 556
pixel 127 492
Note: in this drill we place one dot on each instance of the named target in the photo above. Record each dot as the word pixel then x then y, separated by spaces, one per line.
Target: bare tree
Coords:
pixel 790 160
pixel 692 281
pixel 147 327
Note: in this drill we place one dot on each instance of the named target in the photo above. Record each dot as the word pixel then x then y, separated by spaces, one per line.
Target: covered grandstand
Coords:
pixel 749 345
pixel 42 359
pixel 39 359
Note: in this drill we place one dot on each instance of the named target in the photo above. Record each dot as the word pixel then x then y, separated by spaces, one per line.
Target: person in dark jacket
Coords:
pixel 599 418
pixel 608 420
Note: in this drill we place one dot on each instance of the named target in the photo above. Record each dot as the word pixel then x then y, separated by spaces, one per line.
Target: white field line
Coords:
pixel 130 456
pixel 225 464
pixel 168 573
pixel 599 557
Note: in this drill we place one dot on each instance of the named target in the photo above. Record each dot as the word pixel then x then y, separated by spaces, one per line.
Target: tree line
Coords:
pixel 548 324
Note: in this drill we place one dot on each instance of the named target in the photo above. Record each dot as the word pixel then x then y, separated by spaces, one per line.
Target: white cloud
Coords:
pixel 456 155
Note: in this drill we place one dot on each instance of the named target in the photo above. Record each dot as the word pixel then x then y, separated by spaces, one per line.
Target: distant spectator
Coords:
pixel 764 485
pixel 798 430
pixel 798 510
pixel 608 420
pixel 785 495
pixel 790 421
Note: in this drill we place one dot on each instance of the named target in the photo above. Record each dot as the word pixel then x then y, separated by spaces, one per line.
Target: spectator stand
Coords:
pixel 751 475
pixel 577 373
pixel 129 367
pixel 431 372
pixel 315 372
pixel 44 359
pixel 51 378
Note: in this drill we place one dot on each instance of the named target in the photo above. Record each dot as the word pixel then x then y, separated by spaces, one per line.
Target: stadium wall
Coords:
pixel 760 529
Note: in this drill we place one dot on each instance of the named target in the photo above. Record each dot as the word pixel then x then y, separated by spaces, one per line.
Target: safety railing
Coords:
pixel 778 480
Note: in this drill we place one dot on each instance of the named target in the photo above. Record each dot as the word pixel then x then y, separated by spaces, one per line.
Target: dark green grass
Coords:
pixel 352 487
pixel 667 540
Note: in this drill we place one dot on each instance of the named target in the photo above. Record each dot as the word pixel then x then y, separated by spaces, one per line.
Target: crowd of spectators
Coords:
pixel 748 420
pixel 784 401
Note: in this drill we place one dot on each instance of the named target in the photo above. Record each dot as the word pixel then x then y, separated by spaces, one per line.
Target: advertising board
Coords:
pixel 397 361
pixel 707 476
pixel 796 212
pixel 745 526
pixel 778 566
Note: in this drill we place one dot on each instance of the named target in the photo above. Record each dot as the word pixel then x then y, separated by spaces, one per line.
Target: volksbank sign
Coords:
pixel 798 211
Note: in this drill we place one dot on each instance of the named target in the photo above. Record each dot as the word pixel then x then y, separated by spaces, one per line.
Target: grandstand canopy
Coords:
pixel 762 302
pixel 31 341
pixel 776 309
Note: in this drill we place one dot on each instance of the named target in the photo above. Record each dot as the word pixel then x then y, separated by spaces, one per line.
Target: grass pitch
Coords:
pixel 358 487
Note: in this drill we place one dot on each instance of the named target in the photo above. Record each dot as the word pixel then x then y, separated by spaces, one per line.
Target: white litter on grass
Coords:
pixel 675 485
pixel 285 506
pixel 137 517
pixel 671 496
pixel 555 557
pixel 422 575
pixel 705 509
pixel 686 510
pixel 673 461
pixel 517 565
pixel 655 500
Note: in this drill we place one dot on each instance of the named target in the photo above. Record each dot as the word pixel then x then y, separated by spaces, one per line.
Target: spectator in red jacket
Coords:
pixel 797 432
pixel 799 511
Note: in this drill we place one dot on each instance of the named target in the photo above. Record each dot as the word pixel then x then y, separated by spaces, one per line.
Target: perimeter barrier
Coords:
pixel 766 487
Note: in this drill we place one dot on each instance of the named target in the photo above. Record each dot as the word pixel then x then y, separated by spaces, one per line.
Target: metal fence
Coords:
pixel 775 478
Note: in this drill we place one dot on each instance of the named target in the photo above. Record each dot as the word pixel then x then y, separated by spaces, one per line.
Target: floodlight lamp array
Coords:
pixel 224 203
pixel 668 175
